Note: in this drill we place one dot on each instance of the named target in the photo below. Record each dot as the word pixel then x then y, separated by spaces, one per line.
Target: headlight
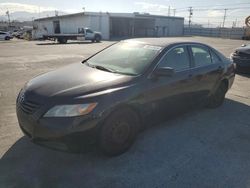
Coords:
pixel 70 110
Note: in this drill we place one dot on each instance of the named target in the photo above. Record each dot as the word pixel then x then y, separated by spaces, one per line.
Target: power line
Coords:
pixel 235 8
pixel 207 9
pixel 208 6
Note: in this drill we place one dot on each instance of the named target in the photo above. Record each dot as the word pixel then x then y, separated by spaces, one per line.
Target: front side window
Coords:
pixel 177 58
pixel 126 57
pixel 201 56
pixel 89 31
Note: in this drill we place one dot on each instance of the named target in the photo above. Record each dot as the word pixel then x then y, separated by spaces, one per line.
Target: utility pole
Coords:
pixel 8 14
pixel 235 23
pixel 174 11
pixel 190 16
pixel 224 18
pixel 39 12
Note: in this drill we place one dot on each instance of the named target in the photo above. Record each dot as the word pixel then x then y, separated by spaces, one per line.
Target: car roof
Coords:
pixel 164 42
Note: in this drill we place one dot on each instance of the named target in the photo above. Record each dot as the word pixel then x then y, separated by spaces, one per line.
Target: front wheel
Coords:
pixel 118 132
pixel 97 38
pixel 217 99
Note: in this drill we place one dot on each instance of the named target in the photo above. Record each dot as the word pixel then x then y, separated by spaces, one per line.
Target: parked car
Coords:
pixel 241 57
pixel 5 35
pixel 108 97
pixel 16 33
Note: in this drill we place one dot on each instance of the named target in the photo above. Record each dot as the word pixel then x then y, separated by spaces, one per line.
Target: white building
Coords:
pixel 113 25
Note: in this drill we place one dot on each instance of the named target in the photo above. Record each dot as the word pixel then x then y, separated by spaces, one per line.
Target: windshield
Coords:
pixel 125 57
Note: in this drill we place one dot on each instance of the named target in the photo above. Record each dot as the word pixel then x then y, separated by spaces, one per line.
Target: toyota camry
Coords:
pixel 107 98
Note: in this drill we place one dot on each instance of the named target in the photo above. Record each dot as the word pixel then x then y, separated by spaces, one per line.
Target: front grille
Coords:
pixel 25 105
pixel 29 107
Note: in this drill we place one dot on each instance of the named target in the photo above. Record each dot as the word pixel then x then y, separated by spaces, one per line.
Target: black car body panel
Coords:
pixel 241 57
pixel 145 94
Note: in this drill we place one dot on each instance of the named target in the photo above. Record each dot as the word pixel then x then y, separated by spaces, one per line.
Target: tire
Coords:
pixel 118 132
pixel 7 38
pixel 62 40
pixel 97 38
pixel 218 97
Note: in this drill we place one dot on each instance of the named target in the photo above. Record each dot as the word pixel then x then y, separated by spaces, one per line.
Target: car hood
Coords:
pixel 73 80
pixel 244 49
pixel 97 32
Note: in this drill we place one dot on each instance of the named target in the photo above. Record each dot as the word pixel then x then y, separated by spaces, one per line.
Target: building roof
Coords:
pixel 163 42
pixel 125 15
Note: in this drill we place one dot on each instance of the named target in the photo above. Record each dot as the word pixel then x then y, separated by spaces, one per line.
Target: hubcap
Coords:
pixel 120 132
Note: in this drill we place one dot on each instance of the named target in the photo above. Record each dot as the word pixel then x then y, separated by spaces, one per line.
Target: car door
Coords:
pixel 205 70
pixel 89 34
pixel 169 94
pixel 2 35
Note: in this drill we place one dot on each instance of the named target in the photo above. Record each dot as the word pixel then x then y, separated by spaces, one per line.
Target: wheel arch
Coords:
pixel 98 35
pixel 226 82
pixel 223 80
pixel 125 106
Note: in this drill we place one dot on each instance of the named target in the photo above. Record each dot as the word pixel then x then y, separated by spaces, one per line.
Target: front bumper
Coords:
pixel 64 133
pixel 242 63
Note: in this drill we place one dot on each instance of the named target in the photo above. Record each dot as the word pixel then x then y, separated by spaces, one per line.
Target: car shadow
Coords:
pixel 70 42
pixel 200 148
pixel 244 74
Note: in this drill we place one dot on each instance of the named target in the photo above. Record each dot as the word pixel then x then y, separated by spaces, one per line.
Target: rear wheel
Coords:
pixel 218 97
pixel 118 132
pixel 62 40
pixel 7 38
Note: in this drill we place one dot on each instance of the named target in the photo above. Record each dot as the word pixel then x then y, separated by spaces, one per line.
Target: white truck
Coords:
pixel 83 34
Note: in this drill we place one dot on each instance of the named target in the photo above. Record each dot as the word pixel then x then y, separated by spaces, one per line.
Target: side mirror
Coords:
pixel 164 71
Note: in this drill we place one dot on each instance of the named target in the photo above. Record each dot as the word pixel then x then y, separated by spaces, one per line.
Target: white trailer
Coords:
pixel 83 34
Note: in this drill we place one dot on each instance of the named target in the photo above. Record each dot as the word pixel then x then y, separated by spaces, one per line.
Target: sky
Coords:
pixel 209 13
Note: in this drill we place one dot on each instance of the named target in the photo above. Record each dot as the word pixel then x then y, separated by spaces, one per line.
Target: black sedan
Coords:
pixel 241 57
pixel 108 97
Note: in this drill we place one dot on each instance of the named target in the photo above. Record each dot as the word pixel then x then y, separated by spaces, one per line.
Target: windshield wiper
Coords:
pixel 107 69
pixel 104 68
pixel 100 67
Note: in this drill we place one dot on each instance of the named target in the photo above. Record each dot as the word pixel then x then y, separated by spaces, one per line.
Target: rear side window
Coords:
pixel 215 57
pixel 201 56
pixel 177 58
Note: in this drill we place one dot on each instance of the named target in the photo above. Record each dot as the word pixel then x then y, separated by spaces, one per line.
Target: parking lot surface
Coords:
pixel 200 148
